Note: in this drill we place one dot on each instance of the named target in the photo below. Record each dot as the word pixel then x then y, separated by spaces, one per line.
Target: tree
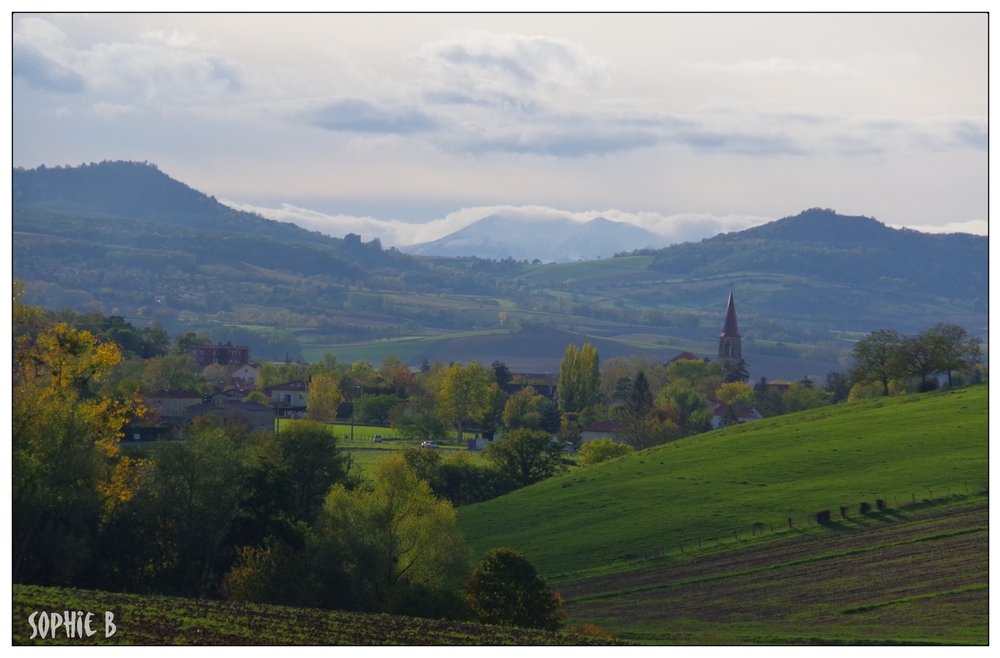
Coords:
pixel 877 358
pixel 375 408
pixel 599 450
pixel 919 358
pixel 955 349
pixel 735 392
pixel 640 399
pixel 506 590
pixel 525 456
pixel 314 461
pixel 838 385
pixel 373 544
pixel 501 373
pixel 800 398
pixel 579 378
pixel 172 371
pixel 685 400
pixel 272 374
pixel 524 409
pixel 737 372
pixel 64 448
pixel 324 397
pixel 464 394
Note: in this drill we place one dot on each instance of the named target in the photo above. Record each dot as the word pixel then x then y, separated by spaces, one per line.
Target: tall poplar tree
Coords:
pixel 579 378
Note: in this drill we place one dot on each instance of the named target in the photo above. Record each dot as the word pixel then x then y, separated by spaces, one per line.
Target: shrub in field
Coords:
pixel 823 517
pixel 865 508
pixel 599 450
pixel 506 590
pixel 879 504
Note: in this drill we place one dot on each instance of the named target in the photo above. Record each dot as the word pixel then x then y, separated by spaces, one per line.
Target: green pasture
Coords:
pixel 741 480
pixel 592 269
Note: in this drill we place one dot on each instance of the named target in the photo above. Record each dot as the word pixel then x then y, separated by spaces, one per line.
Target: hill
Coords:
pixel 139 190
pixel 821 244
pixel 767 472
pixel 547 239
pixel 914 575
pixel 163 620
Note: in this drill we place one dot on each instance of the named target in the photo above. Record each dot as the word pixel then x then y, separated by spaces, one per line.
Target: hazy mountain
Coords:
pixel 544 238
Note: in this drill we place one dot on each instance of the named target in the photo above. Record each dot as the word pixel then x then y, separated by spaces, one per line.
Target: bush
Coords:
pixel 843 511
pixel 506 590
pixel 879 504
pixel 865 508
pixel 599 450
pixel 823 517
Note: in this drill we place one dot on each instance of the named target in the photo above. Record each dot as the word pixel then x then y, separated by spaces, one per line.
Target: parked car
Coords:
pixel 377 439
pixel 429 444
pixel 569 447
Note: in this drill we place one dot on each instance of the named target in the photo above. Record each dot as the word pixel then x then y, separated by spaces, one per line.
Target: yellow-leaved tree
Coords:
pixel 324 397
pixel 66 469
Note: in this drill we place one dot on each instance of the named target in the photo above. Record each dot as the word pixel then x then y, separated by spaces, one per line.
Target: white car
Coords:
pixel 429 444
pixel 377 439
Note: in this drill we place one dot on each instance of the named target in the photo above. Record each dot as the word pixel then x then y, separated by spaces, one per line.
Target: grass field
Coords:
pixel 161 620
pixel 919 574
pixel 743 483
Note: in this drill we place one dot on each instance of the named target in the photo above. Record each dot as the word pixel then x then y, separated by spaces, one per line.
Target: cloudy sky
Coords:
pixel 408 127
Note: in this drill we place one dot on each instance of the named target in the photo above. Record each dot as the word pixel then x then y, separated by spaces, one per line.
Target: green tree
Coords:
pixel 737 372
pixel 579 378
pixel 524 409
pixel 639 402
pixel 464 394
pixel 600 450
pixel 525 456
pixel 955 350
pixel 375 543
pixel 800 398
pixel 838 385
pixel 685 400
pixel 877 358
pixel 325 366
pixel 315 464
pixel 506 590
pixel 324 397
pixel 172 371
pixel 375 408
pixel 271 374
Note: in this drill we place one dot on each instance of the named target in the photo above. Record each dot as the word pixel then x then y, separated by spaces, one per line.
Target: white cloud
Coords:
pixel 507 71
pixel 674 228
pixel 780 67
pixel 974 226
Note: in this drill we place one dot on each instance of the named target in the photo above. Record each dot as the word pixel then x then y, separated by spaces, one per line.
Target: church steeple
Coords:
pixel 730 328
pixel 730 344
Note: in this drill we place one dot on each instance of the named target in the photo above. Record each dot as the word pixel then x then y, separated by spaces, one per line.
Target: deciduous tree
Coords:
pixel 579 378
pixel 505 590
pixel 877 358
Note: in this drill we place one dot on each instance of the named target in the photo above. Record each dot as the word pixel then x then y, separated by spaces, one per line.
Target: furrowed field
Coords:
pixel 915 575
pixel 161 620
pixel 741 485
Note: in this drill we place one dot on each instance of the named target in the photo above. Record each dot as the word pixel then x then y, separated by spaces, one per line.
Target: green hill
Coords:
pixel 164 620
pixel 749 480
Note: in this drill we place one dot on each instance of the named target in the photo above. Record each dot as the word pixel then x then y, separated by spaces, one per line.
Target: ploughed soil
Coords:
pixel 899 576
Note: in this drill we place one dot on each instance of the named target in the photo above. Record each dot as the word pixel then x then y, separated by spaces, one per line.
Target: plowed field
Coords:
pixel 910 576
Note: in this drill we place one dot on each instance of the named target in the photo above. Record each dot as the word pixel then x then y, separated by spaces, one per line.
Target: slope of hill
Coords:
pixel 138 190
pixel 547 239
pixel 164 620
pixel 914 575
pixel 711 485
pixel 853 250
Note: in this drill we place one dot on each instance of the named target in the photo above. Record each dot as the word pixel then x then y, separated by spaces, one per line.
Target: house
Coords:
pixel 606 429
pixel 245 373
pixel 544 384
pixel 171 403
pixel 743 414
pixel 290 394
pixel 253 416
pixel 686 356
pixel 225 355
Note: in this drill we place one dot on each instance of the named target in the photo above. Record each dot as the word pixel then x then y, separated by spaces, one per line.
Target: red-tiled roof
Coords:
pixel 685 356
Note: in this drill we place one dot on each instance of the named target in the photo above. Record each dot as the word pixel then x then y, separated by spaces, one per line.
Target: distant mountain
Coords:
pixel 847 250
pixel 546 239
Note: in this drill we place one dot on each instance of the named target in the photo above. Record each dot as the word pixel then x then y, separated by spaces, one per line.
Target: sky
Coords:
pixel 407 127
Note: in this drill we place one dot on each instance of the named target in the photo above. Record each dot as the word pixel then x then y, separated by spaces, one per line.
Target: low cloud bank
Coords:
pixel 685 227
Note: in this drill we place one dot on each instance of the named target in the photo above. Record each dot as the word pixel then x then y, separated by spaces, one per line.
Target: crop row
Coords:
pixel 158 620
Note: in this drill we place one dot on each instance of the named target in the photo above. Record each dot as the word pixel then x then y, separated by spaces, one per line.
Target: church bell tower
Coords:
pixel 730 348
